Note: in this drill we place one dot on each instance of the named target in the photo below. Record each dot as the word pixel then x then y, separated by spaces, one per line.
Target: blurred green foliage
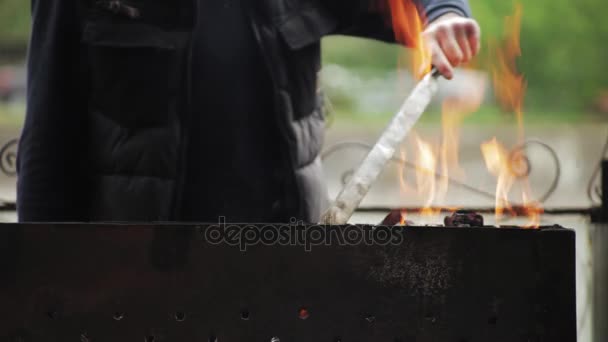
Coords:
pixel 564 45
pixel 564 49
pixel 14 21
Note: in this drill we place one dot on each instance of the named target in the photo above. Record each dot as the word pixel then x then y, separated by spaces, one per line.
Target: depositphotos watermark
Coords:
pixel 298 234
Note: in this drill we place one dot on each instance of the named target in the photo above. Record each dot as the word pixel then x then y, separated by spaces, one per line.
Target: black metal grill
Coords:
pixel 168 283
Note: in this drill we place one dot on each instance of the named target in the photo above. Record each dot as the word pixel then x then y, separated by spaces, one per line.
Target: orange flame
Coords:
pixel 408 21
pixel 497 161
pixel 426 168
pixel 509 88
pixel 436 163
pixel 403 221
pixel 509 84
pixel 455 109
pixel 533 210
pixel 426 183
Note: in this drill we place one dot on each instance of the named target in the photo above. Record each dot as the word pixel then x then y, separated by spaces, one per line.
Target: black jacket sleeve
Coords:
pixel 364 19
pixel 50 149
pixel 434 9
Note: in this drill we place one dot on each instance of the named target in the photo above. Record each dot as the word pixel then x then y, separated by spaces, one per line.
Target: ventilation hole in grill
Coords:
pixel 303 313
pixel 398 339
pixel 463 340
pixel 150 338
pixel 337 339
pixel 245 315
pixel 118 316
pixel 212 338
pixel 84 337
pixel 52 314
pixel 180 316
pixel 493 320
pixel 431 318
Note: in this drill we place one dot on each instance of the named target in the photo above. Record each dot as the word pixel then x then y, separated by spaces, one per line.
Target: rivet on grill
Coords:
pixel 84 337
pixel 180 316
pixel 275 339
pixel 52 314
pixel 245 315
pixel 303 313
pixel 118 316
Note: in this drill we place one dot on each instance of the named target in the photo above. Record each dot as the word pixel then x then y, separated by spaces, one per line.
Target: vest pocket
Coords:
pixel 133 72
pixel 306 25
pixel 301 31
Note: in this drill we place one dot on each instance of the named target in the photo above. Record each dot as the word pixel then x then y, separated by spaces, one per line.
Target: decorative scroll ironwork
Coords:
pixel 8 158
pixel 520 164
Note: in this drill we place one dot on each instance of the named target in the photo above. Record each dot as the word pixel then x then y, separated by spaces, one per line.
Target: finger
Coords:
pixel 447 42
pixel 452 50
pixel 473 33
pixel 441 62
pixel 463 43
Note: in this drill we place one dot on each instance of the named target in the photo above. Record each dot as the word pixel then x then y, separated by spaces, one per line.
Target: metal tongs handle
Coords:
pixel 375 162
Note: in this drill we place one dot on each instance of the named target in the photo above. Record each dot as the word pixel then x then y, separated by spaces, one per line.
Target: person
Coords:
pixel 188 110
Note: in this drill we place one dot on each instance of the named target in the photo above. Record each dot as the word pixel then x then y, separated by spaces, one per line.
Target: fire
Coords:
pixel 408 21
pixel 437 163
pixel 497 161
pixel 426 168
pixel 533 210
pixel 509 84
pixel 509 89
pixel 455 109
pixel 403 221
pixel 500 162
pixel 426 186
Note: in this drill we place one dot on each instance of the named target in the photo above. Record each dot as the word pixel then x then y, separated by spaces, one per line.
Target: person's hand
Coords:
pixel 453 40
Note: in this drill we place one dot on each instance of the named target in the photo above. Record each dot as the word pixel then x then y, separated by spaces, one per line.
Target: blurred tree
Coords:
pixel 14 21
pixel 563 44
pixel 564 52
pixel 563 48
